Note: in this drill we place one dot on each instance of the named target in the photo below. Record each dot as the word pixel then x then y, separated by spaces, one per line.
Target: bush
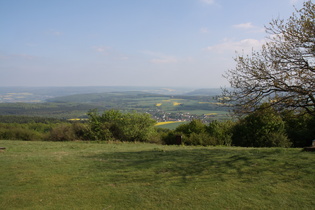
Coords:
pixel 197 133
pixel 62 132
pixel 136 127
pixel 299 128
pixel 69 132
pixel 275 139
pixel 221 132
pixel 114 125
pixel 262 128
pixel 171 137
pixel 195 126
pixel 202 138
pixel 18 132
pixel 81 131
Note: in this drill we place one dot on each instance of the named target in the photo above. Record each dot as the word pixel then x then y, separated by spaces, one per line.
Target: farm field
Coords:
pixel 91 175
pixel 170 124
pixel 162 107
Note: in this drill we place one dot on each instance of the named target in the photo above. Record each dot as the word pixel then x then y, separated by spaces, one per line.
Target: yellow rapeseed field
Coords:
pixel 74 119
pixel 209 114
pixel 213 103
pixel 164 123
pixel 77 119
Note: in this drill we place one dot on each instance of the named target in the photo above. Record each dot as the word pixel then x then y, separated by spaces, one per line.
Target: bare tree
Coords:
pixel 283 71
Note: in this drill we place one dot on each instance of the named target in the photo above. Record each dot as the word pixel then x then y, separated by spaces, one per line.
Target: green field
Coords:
pixel 84 175
pixel 157 105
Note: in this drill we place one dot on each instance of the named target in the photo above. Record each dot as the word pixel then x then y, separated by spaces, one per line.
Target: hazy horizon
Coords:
pixel 165 43
pixel 111 86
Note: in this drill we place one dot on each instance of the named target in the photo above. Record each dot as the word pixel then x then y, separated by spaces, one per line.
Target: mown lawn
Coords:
pixel 82 175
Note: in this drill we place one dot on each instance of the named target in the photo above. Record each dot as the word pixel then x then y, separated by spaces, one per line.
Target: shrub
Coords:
pixel 277 139
pixel 170 137
pixel 202 138
pixel 62 132
pixel 299 128
pixel 81 131
pixel 114 125
pixel 221 132
pixel 262 128
pixel 25 134
pixel 195 126
pixel 18 132
pixel 136 127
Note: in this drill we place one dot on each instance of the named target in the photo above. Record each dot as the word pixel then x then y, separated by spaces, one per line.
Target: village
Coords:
pixel 163 116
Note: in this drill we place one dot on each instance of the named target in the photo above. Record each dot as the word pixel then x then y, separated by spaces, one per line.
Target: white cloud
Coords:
pixel 100 49
pixel 250 27
pixel 208 1
pixel 103 50
pixel 245 45
pixel 164 60
pixel 204 30
pixel 244 25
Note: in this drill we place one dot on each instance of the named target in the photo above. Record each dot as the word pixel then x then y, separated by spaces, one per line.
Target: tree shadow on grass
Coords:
pixel 184 166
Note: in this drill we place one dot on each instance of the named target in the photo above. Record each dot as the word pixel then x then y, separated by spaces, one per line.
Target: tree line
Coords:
pixel 111 125
pixel 264 127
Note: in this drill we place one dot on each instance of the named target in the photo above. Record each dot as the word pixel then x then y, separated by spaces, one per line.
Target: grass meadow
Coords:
pixel 91 175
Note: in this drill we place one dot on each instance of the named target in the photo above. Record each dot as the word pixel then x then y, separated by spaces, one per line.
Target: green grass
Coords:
pixel 82 175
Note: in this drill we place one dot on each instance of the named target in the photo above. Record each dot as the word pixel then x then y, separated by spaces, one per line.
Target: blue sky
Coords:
pixel 185 43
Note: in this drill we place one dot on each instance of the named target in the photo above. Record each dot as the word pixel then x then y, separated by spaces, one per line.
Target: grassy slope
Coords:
pixel 79 175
